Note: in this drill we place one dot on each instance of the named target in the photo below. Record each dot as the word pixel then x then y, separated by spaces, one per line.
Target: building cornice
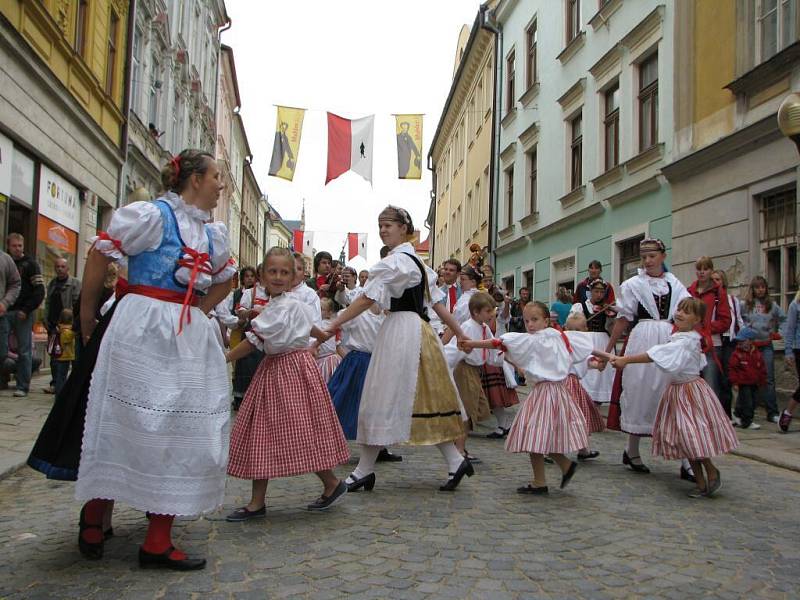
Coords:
pixel 570 220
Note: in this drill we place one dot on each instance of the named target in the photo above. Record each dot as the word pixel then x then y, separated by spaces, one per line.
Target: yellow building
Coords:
pixel 460 154
pixel 733 176
pixel 62 105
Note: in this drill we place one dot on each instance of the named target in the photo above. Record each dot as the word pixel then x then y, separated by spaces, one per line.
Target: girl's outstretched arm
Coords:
pixel 242 349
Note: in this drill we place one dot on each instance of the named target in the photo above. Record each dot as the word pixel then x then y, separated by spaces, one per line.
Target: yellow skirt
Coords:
pixel 468 382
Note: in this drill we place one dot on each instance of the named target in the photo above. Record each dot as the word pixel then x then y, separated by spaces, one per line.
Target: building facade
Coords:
pixel 228 104
pixel 735 178
pixel 461 150
pixel 62 105
pixel 584 119
pixel 250 248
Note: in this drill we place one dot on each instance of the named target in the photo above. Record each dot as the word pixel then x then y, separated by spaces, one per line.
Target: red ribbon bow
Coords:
pixel 107 238
pixel 198 263
pixel 175 161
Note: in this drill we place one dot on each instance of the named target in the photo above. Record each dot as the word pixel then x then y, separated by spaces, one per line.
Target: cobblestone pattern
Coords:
pixel 611 534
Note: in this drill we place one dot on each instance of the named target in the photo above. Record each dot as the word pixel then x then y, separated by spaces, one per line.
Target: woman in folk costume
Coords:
pixel 599 321
pixel 409 395
pixel 690 422
pixel 156 431
pixel 647 302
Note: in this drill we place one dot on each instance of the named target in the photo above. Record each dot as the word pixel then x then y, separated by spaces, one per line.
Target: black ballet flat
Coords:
pixel 627 460
pixel 92 551
pixel 686 476
pixel 163 561
pixel 495 435
pixel 568 475
pixel 534 491
pixel 354 484
pixel 385 456
pixel 108 533
pixel 589 455
pixel 465 468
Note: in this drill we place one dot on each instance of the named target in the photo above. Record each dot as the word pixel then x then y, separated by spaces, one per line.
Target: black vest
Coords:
pixel 662 302
pixel 597 323
pixel 413 298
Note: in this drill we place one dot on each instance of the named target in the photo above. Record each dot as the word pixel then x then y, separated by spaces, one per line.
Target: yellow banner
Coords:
pixel 286 147
pixel 409 146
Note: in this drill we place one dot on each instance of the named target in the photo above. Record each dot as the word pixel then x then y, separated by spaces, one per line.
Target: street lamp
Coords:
pixel 789 118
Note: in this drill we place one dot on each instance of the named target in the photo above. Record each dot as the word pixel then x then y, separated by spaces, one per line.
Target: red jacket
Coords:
pixel 718 311
pixel 747 368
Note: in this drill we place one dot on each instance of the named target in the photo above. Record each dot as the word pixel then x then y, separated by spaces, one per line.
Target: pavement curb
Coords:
pixel 774 462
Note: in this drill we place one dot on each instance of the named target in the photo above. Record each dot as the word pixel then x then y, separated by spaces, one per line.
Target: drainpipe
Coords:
pixel 431 221
pixel 126 101
pixel 227 25
pixel 489 23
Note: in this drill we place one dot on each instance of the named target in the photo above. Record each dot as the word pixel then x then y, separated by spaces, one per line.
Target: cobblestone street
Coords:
pixel 611 534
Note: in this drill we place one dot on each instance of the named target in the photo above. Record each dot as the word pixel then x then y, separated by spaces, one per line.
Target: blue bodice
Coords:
pixel 157 267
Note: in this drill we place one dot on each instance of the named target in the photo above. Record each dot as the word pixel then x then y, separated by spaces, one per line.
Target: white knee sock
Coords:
pixel 633 446
pixel 687 465
pixel 451 455
pixel 500 415
pixel 366 461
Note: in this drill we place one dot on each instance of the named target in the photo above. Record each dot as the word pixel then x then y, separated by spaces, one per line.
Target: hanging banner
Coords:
pixel 409 146
pixel 349 146
pixel 303 241
pixel 286 146
pixel 356 245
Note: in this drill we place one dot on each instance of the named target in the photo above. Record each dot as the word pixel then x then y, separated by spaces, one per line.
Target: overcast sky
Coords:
pixel 353 58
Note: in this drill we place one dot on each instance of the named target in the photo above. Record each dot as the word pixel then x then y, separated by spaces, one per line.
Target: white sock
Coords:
pixel 687 465
pixel 451 455
pixel 633 446
pixel 500 415
pixel 366 461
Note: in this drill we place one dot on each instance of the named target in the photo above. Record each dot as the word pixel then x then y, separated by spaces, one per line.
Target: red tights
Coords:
pixel 93 513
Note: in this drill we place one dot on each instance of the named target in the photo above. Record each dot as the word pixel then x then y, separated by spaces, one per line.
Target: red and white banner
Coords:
pixel 349 146
pixel 303 241
pixel 356 245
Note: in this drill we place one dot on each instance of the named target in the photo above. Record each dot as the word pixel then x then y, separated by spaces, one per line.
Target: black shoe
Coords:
pixel 242 514
pixel 108 533
pixel 465 468
pixel 686 476
pixel 549 460
pixel 627 460
pixel 92 551
pixel 325 502
pixel 568 475
pixel 385 456
pixel 589 455
pixel 471 458
pixel 354 484
pixel 535 491
pixel 495 435
pixel 163 561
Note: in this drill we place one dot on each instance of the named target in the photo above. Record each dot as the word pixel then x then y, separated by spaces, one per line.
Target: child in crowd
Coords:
pixel 252 303
pixel 61 363
pixel 327 357
pixel 747 371
pixel 791 356
pixel 549 422
pixel 577 372
pixel 600 318
pixel 690 422
pixel 286 424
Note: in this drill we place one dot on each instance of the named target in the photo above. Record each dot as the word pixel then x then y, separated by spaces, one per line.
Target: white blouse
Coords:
pixel 138 228
pixel 327 347
pixel 360 333
pixel 309 297
pixel 479 356
pixel 284 324
pixel 393 275
pixel 255 297
pixel 640 289
pixel 681 357
pixel 543 355
pixel 461 311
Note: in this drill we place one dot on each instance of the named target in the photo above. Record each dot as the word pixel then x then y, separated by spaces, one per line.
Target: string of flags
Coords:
pixel 303 241
pixel 350 145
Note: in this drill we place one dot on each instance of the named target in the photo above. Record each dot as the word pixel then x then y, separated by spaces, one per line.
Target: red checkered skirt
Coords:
pixel 286 424
pixel 594 421
pixel 548 421
pixel 494 386
pixel 690 423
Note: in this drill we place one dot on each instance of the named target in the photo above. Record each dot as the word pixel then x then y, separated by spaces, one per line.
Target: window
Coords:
pixel 510 93
pixel 779 244
pixel 527 280
pixel 510 196
pixel 629 259
pixel 530 158
pixel 576 152
pixel 508 284
pixel 648 103
pixel 111 59
pixel 155 87
pixel 530 71
pixel 481 100
pixel 573 19
pixel 136 69
pixel 776 26
pixel 81 23
pixel 611 122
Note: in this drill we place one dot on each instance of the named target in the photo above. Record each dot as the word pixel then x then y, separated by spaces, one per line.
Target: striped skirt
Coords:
pixel 548 421
pixel 690 423
pixel 327 365
pixel 594 421
pixel 494 386
pixel 286 424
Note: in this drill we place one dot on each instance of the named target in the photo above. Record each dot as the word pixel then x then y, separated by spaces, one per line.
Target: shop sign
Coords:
pixel 57 236
pixel 58 199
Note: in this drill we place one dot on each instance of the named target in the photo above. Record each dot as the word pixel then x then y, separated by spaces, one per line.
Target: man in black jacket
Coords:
pixel 19 317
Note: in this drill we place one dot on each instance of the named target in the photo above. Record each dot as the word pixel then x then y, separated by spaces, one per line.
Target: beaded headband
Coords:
pixel 651 245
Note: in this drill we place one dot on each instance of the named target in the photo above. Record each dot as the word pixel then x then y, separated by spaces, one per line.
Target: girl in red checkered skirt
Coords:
pixel 286 424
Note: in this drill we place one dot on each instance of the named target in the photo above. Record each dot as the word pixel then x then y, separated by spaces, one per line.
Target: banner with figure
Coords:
pixel 286 146
pixel 409 146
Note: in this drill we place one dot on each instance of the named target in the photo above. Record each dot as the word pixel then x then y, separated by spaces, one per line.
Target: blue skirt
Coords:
pixel 345 388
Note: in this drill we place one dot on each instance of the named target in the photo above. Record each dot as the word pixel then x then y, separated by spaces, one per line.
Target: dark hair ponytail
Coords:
pixel 176 173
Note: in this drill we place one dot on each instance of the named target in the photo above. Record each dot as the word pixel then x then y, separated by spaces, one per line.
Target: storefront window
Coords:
pixel 22 171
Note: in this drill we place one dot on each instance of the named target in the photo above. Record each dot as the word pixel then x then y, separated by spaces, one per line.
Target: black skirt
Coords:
pixel 57 451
